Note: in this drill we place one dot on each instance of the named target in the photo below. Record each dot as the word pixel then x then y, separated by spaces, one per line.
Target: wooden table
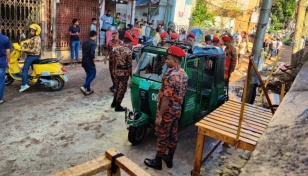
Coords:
pixel 223 123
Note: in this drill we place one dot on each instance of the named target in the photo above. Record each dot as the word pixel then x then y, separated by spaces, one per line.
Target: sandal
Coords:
pixel 83 91
pixel 2 101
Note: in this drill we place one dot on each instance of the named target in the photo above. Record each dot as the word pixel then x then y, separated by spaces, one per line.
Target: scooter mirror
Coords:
pixel 22 37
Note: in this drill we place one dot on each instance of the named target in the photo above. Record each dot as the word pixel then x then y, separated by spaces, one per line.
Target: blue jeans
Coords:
pixel 75 45
pixel 91 73
pixel 2 81
pixel 29 60
pixel 273 53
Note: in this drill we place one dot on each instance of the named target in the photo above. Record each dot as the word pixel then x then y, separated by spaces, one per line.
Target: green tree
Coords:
pixel 282 12
pixel 200 14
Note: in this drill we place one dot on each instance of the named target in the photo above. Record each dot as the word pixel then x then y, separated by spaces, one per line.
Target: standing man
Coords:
pixel 117 20
pixel 33 54
pixel 148 31
pixel 107 20
pixel 88 62
pixel 169 108
pixel 208 40
pixel 143 31
pixel 112 44
pixel 231 57
pixel 93 25
pixel 75 41
pixel 122 71
pixel 5 47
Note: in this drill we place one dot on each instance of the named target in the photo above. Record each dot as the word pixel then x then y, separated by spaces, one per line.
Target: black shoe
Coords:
pixel 155 163
pixel 168 160
pixel 119 108
pixel 112 88
pixel 113 104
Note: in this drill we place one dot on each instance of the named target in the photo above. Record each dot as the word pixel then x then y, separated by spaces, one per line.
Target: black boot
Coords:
pixel 155 163
pixel 119 108
pixel 112 88
pixel 113 104
pixel 168 159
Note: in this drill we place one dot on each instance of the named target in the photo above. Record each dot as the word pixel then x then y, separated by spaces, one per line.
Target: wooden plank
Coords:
pixel 251 121
pixel 198 154
pixel 230 130
pixel 252 109
pixel 225 133
pixel 258 135
pixel 249 108
pixel 86 169
pixel 247 104
pixel 250 116
pixel 227 139
pixel 261 115
pixel 246 125
pixel 125 164
pixel 257 108
pixel 235 123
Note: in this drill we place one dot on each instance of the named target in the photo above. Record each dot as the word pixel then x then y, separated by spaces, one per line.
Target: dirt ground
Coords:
pixel 42 132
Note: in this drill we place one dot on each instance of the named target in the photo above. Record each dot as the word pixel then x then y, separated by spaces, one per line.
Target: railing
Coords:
pixel 112 162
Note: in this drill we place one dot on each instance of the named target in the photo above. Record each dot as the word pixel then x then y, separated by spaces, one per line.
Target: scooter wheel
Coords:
pixel 136 134
pixel 8 79
pixel 59 85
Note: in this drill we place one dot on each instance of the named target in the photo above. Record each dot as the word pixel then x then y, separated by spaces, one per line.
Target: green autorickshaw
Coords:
pixel 204 66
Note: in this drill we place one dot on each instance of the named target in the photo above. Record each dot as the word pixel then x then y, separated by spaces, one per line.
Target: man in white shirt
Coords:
pixel 143 31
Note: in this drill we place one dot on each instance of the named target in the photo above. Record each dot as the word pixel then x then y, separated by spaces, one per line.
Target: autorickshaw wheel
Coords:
pixel 8 79
pixel 136 134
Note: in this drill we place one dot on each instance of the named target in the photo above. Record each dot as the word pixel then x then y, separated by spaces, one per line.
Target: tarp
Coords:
pixel 141 2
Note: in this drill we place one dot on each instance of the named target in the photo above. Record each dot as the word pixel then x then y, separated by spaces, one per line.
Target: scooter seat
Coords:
pixel 45 61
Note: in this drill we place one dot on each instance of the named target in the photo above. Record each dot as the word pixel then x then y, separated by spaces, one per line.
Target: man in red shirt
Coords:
pixel 169 108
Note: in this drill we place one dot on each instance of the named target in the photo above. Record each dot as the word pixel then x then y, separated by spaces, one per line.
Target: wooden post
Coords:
pixel 269 77
pixel 263 87
pixel 301 6
pixel 243 100
pixel 198 155
pixel 124 163
pixel 283 87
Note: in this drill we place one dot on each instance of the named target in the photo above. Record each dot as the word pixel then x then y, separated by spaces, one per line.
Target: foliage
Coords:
pixel 200 14
pixel 282 12
pixel 224 8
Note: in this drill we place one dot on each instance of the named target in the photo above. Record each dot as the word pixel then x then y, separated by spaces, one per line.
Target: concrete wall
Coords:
pixel 185 10
pixel 282 149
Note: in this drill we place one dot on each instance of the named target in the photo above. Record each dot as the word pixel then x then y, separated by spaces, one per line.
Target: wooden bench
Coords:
pixel 236 123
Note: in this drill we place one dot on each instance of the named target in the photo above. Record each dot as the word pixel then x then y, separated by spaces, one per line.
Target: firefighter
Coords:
pixel 122 70
pixel 174 37
pixel 191 38
pixel 110 55
pixel 231 57
pixel 163 39
pixel 169 107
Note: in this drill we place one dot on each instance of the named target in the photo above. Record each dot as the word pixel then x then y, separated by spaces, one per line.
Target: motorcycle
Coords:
pixel 47 72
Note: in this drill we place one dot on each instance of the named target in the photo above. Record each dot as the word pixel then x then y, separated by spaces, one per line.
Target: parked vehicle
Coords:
pixel 47 72
pixel 204 66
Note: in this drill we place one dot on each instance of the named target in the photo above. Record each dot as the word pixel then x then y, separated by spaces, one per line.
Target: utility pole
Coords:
pixel 300 17
pixel 257 47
